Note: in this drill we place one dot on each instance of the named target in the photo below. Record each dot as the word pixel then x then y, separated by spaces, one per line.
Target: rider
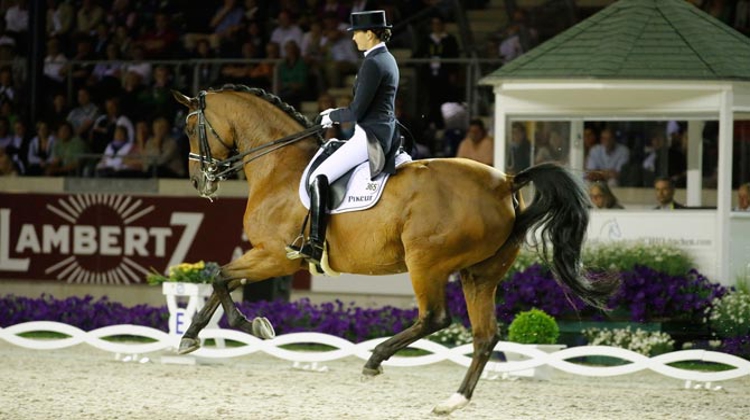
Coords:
pixel 375 134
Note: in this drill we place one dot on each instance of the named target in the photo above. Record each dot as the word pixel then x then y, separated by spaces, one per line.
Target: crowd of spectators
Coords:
pixel 109 68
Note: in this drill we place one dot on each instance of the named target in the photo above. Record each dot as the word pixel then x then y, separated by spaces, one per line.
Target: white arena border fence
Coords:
pixel 163 341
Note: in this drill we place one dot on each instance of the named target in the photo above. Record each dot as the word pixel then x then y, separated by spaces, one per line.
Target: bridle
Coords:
pixel 215 170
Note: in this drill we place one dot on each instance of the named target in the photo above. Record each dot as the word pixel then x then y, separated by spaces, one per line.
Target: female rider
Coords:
pixel 375 134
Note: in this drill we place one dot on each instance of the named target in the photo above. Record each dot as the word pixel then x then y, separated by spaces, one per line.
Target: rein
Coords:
pixel 210 167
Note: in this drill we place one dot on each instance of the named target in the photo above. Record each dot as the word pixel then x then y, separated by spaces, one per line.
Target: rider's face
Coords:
pixel 360 38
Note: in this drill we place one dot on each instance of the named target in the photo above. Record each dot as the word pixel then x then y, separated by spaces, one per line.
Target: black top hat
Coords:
pixel 374 19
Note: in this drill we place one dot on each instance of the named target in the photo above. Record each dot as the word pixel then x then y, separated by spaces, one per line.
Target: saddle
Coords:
pixel 353 191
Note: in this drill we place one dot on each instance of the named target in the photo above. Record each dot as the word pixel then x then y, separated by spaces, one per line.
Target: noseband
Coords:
pixel 215 170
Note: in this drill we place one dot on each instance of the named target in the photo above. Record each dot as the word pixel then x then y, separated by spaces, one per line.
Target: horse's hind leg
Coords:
pixel 479 285
pixel 429 287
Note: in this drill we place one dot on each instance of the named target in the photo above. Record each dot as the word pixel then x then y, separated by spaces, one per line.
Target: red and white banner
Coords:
pixel 113 238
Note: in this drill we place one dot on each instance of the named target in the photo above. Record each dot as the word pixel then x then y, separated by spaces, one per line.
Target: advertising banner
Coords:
pixel 113 238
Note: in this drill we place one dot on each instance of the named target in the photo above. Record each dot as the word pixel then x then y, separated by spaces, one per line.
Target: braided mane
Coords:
pixel 270 98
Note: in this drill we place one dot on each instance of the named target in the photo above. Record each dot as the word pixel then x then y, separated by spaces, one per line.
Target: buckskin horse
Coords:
pixel 435 217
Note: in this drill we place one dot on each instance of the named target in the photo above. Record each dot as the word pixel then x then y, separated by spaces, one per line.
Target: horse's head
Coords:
pixel 211 142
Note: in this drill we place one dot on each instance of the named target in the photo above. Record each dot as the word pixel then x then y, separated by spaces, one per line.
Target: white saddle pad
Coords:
pixel 361 192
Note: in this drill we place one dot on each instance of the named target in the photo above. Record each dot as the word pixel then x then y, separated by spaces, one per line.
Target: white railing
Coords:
pixel 248 344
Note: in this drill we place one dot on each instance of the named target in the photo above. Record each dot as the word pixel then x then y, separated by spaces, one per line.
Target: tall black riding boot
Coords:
pixel 313 248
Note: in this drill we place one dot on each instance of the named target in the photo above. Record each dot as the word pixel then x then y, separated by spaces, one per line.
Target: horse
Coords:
pixel 435 217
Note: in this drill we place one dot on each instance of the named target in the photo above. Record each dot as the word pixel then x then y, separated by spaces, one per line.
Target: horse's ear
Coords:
pixel 179 97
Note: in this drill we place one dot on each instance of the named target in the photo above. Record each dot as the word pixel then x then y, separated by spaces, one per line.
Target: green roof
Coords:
pixel 638 39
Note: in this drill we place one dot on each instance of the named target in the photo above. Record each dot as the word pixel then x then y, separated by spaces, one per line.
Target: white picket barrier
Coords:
pixel 248 345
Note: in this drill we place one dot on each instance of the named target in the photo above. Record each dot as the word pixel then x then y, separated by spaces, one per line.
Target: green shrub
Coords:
pixel 533 327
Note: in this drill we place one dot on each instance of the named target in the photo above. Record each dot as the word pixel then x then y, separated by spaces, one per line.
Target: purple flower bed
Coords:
pixel 646 295
pixel 82 312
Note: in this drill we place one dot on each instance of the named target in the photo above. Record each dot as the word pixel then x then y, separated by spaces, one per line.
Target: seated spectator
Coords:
pixel 122 13
pixel 160 41
pixel 83 116
pixel 67 152
pixel 207 73
pixel 6 137
pixel 247 73
pixel 293 76
pixel 114 162
pixel 519 155
pixel 607 158
pixel 107 75
pixel 7 168
pixel 664 189
pixel 287 30
pixel 80 73
pixel 602 196
pixel 477 145
pixel 138 66
pixel 340 55
pixel 55 65
pixel 743 198
pixel 100 41
pixel 262 74
pixel 157 100
pixel 7 87
pixel 163 155
pixel 554 151
pixel 590 139
pixel 103 130
pixel 225 23
pixel 89 15
pixel 39 155
pixel 18 147
pixel 17 23
pixel 664 160
pixel 60 20
pixel 56 112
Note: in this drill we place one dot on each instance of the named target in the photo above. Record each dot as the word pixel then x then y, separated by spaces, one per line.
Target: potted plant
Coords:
pixel 536 329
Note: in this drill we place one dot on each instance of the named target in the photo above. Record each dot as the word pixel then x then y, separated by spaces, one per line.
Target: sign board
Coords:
pixel 113 238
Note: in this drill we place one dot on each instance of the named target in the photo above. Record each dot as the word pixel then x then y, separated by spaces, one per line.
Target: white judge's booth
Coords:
pixel 717 237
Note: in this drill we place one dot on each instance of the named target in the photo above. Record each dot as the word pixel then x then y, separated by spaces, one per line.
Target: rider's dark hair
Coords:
pixel 383 34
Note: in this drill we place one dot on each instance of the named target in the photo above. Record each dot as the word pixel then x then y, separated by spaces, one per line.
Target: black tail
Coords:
pixel 560 213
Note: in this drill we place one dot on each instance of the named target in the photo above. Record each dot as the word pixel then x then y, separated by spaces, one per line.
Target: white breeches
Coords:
pixel 351 154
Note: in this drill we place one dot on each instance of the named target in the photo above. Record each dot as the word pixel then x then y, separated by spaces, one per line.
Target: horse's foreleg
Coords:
pixel 190 342
pixel 433 316
pixel 259 327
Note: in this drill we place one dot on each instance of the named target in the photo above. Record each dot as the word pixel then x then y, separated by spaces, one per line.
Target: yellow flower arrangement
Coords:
pixel 199 272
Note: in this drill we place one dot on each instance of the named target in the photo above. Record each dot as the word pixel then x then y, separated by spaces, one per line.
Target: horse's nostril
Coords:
pixel 194 182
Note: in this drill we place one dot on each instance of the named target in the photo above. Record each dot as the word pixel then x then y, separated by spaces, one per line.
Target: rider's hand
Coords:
pixel 325 121
pixel 325 118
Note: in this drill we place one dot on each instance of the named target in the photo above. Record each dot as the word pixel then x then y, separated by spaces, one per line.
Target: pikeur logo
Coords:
pixel 359 198
pixel 97 238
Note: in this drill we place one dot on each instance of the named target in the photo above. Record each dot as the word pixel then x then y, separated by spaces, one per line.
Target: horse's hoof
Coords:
pixel 450 405
pixel 188 345
pixel 262 328
pixel 370 372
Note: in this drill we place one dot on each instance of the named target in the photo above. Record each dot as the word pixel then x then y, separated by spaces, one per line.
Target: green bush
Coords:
pixel 533 327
